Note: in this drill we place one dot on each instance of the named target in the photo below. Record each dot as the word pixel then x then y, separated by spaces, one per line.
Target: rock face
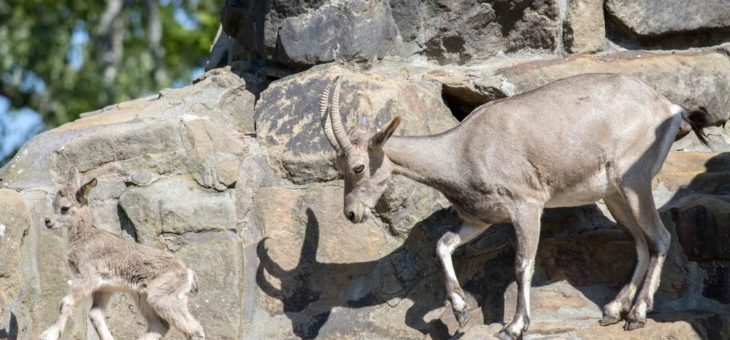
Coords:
pixel 290 125
pixel 657 17
pixel 232 173
pixel 303 33
pixel 584 26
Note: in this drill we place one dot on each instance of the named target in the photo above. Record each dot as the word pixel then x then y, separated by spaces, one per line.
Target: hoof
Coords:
pixel 462 317
pixel 50 334
pixel 503 335
pixel 609 320
pixel 632 325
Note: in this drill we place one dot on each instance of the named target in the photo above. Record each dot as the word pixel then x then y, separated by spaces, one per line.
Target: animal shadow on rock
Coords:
pixel 312 289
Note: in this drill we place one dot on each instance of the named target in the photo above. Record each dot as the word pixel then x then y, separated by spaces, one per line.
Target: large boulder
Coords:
pixel 649 18
pixel 288 122
pixel 303 33
pixel 177 206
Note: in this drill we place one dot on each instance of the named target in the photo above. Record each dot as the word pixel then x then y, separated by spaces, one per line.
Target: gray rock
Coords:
pixel 15 221
pixel 290 127
pixel 584 27
pixel 649 18
pixel 303 33
pixel 177 206
pixel 175 132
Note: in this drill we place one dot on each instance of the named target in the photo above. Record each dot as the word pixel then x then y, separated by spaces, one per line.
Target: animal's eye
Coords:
pixel 358 169
pixel 65 209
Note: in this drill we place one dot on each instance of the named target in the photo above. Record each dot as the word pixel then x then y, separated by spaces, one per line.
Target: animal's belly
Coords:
pixel 588 191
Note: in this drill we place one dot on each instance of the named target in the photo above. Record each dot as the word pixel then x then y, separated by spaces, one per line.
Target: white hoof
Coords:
pixel 51 334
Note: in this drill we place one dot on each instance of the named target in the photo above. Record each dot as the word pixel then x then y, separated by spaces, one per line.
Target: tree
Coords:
pixel 62 58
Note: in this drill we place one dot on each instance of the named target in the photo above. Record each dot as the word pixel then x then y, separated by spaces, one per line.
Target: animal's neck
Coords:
pixel 82 224
pixel 427 159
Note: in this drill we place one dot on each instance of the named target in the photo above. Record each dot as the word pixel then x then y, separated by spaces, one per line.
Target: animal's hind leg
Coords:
pixel 641 202
pixel 444 248
pixel 174 310
pixel 156 327
pixel 621 211
pixel 97 314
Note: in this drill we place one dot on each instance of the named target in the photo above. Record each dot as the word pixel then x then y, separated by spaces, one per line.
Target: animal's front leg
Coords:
pixel 445 247
pixel 527 231
pixel 79 290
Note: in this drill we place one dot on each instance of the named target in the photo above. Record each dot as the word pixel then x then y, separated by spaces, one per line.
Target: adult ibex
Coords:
pixel 105 264
pixel 569 143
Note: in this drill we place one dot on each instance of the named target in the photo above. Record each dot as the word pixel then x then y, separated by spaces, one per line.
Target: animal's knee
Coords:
pixel 96 314
pixel 447 244
pixel 660 243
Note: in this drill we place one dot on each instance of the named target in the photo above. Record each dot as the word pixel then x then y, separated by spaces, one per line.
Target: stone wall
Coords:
pixel 232 173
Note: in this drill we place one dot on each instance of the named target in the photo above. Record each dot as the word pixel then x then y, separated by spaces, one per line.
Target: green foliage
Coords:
pixel 43 65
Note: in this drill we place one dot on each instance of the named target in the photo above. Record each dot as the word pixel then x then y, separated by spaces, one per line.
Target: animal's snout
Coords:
pixel 48 222
pixel 357 214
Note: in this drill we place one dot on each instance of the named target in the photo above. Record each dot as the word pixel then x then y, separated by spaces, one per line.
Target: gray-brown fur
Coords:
pixel 572 142
pixel 105 263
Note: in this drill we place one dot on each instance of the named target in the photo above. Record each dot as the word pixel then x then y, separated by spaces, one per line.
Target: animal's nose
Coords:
pixel 47 221
pixel 351 216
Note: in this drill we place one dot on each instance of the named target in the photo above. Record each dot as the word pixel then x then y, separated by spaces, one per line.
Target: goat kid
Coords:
pixel 105 263
pixel 569 143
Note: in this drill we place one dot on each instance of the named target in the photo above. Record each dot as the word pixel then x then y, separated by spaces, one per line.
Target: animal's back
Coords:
pixel 116 257
pixel 574 136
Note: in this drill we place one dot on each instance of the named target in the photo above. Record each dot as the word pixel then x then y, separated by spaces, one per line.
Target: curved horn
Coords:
pixel 336 120
pixel 327 124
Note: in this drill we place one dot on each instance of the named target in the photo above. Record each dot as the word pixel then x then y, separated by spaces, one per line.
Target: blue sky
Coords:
pixel 19 126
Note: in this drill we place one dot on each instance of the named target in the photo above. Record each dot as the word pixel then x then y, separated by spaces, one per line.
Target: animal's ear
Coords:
pixel 74 178
pixel 382 136
pixel 83 193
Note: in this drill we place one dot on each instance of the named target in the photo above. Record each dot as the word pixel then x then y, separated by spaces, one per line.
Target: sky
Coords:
pixel 17 127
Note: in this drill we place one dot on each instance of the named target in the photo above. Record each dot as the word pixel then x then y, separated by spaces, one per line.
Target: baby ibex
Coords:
pixel 569 143
pixel 105 263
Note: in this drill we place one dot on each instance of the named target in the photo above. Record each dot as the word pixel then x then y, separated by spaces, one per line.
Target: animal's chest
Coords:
pixel 489 206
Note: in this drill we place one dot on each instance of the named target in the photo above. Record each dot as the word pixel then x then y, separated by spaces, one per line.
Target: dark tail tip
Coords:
pixel 699 120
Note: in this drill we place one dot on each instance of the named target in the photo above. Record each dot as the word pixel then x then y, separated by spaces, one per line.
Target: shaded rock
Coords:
pixel 704 234
pixel 177 206
pixel 463 93
pixel 584 28
pixel 692 172
pixel 654 18
pixel 289 125
pixel 305 33
pixel 599 257
pixel 691 79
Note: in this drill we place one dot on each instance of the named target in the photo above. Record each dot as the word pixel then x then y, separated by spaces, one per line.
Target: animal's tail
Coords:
pixel 695 121
pixel 192 282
